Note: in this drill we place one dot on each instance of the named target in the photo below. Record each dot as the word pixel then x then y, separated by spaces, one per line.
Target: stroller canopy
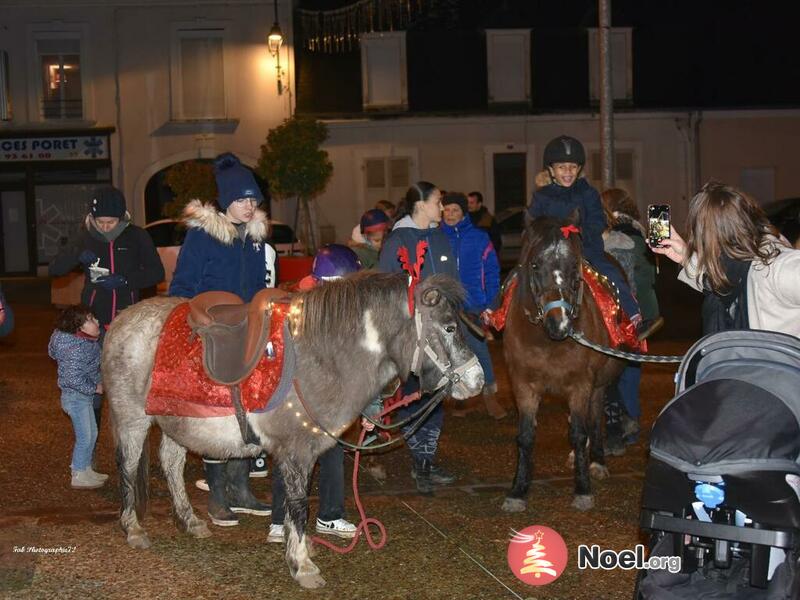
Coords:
pixel 737 407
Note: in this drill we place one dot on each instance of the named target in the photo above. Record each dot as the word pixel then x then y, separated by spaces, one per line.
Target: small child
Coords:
pixel 564 159
pixel 76 348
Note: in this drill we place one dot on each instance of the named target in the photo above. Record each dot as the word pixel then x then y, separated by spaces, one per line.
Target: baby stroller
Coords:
pixel 722 487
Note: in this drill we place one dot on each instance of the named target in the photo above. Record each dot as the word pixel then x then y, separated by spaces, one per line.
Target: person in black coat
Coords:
pixel 118 257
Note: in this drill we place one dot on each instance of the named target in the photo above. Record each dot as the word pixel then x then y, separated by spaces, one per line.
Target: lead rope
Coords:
pixel 632 356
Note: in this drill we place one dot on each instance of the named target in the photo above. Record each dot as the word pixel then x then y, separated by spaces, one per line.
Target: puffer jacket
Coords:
pixel 214 257
pixel 478 267
pixel 78 361
pixel 438 259
pixel 131 254
pixel 557 201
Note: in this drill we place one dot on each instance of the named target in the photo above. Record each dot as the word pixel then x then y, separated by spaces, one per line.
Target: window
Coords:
pixel 59 63
pixel 198 75
pixel 508 56
pixel 621 64
pixel 386 178
pixel 383 70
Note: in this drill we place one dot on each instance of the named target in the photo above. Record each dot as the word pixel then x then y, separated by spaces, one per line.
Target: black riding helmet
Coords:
pixel 564 149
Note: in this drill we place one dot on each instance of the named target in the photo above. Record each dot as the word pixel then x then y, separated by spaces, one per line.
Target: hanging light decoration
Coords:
pixel 339 30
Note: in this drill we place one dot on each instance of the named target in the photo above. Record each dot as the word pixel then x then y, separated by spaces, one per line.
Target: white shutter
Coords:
pixel 621 64
pixel 508 58
pixel 383 70
pixel 202 83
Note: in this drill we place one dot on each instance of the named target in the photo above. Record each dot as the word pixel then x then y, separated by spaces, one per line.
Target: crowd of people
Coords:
pixel 748 274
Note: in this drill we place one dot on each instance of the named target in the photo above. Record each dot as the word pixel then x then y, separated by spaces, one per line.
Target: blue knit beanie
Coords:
pixel 234 181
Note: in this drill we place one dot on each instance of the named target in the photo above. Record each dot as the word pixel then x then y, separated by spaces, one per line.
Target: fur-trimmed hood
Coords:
pixel 216 224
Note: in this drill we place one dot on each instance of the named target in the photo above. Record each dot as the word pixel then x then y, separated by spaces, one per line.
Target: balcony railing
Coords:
pixel 62 109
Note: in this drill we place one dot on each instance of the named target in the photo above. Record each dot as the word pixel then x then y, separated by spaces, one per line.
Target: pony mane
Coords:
pixel 541 233
pixel 332 311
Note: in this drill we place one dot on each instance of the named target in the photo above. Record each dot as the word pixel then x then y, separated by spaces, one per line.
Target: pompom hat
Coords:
pixel 234 181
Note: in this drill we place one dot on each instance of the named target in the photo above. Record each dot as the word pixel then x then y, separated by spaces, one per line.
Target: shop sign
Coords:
pixel 89 147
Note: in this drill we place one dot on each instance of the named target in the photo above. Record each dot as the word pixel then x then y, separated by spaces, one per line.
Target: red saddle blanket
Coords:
pixel 180 386
pixel 621 331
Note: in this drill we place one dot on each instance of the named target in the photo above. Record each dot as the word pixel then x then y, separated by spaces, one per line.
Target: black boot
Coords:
pixel 218 509
pixel 240 497
pixel 439 475
pixel 422 475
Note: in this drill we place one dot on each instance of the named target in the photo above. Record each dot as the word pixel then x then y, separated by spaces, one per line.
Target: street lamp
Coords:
pixel 274 42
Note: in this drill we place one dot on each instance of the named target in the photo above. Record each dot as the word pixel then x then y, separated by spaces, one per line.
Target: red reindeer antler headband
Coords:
pixel 412 270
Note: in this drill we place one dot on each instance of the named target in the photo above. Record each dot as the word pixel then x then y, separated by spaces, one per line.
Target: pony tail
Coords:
pixel 418 192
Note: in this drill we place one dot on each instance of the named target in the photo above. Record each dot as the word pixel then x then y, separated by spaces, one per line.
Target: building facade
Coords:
pixel 114 91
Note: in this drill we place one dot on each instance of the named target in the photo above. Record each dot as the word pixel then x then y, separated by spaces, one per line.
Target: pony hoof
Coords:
pixel 199 530
pixel 571 459
pixel 311 581
pixel 598 471
pixel 514 505
pixel 140 541
pixel 583 503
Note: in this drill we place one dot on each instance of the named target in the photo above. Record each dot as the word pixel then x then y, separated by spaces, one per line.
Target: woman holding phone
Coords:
pixel 749 275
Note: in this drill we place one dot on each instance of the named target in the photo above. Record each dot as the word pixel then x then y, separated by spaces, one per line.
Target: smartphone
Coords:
pixel 657 224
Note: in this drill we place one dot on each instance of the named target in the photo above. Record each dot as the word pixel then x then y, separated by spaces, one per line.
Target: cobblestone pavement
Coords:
pixel 56 542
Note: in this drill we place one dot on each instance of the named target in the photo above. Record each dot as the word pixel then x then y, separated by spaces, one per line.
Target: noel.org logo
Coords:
pixel 537 555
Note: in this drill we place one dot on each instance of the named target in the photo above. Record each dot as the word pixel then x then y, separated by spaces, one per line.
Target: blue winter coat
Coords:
pixel 478 267
pixel 214 258
pixel 438 258
pixel 8 323
pixel 78 361
pixel 556 201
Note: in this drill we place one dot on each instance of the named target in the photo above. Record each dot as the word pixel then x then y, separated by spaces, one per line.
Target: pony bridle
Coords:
pixel 423 346
pixel 572 310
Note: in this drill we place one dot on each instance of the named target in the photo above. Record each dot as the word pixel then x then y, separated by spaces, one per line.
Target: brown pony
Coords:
pixel 541 358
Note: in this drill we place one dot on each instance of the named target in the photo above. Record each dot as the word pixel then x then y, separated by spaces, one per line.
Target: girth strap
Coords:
pixel 248 435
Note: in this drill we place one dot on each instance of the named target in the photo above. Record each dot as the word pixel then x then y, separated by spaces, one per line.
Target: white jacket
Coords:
pixel 773 291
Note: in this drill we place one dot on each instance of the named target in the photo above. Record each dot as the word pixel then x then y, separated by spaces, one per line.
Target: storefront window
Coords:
pixel 60 214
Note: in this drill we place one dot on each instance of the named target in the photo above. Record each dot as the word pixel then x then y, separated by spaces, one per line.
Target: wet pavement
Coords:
pixel 56 542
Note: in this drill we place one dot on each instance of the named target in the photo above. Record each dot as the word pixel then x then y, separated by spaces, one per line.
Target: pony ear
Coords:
pixel 431 297
pixel 575 217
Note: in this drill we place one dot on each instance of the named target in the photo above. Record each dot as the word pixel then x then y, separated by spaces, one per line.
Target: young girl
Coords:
pixel 75 347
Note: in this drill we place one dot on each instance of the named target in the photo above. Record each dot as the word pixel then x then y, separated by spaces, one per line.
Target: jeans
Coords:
pixel 425 441
pixel 628 385
pixel 481 349
pixel 81 411
pixel 331 488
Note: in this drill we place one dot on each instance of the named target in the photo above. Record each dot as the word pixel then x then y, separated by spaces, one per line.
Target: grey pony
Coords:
pixel 353 337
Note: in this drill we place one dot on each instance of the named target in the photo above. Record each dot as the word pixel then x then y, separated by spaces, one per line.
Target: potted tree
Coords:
pixel 296 166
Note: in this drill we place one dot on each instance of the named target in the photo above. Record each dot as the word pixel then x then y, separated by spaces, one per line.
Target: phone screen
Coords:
pixel 657 223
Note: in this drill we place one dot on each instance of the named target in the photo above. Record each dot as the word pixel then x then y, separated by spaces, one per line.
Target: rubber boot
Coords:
pixel 218 509
pixel 240 497
pixel 422 471
pixel 493 407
